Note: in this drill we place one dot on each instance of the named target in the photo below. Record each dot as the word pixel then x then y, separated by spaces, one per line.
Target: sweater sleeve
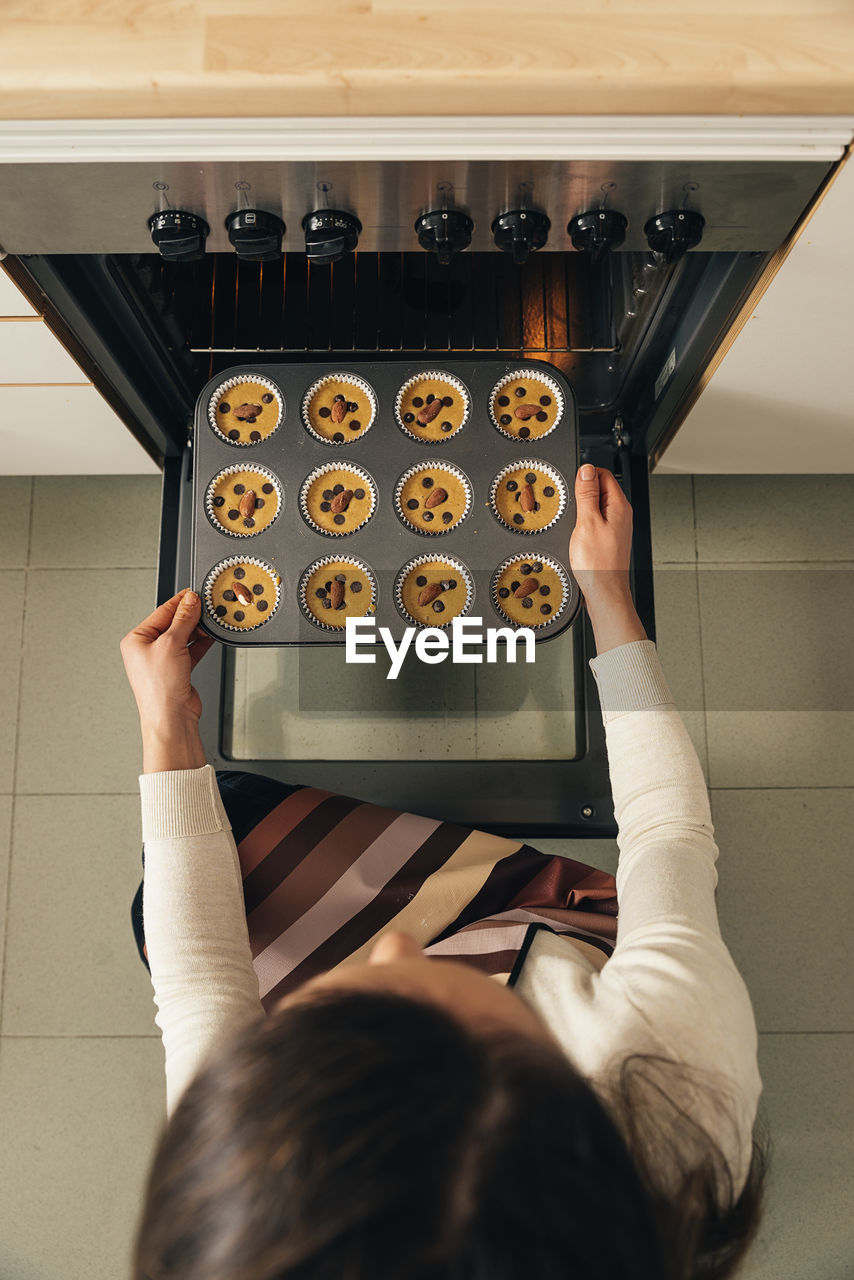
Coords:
pixel 205 987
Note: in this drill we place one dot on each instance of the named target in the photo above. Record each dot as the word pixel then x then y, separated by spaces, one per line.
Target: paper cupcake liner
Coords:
pixel 533 464
pixel 235 382
pixel 350 380
pixel 435 466
pixel 214 573
pixel 403 573
pixel 319 564
pixel 534 376
pixel 563 577
pixel 235 470
pixel 445 377
pixel 370 485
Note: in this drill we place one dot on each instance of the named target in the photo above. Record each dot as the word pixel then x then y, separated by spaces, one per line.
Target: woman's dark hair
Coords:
pixel 373 1137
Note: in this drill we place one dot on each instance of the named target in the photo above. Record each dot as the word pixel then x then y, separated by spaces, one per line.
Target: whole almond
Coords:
pixel 429 412
pixel 526 588
pixel 341 501
pixel 527 500
pixel 245 411
pixel 429 592
pixel 435 497
pixel 247 503
pixel 242 592
pixel 339 408
pixel 336 593
pixel 526 411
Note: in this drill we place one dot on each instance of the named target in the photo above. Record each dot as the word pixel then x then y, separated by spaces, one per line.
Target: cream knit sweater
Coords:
pixel 671 986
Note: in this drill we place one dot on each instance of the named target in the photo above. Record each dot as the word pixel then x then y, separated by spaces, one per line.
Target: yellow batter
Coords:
pixel 417 410
pixel 525 407
pixel 340 411
pixel 324 494
pixel 540 605
pixel 446 604
pixel 422 487
pixel 225 596
pixel 511 494
pixel 357 599
pixel 258 408
pixel 231 490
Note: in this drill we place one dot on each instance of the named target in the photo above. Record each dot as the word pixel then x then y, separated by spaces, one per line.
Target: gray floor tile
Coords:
pixel 12 587
pixel 677 622
pixel 16 500
pixel 808 1228
pixel 5 850
pixel 671 503
pixel 775 517
pixel 110 522
pixel 71 963
pixel 785 862
pixel 78 726
pixel 779 692
pixel 79 1119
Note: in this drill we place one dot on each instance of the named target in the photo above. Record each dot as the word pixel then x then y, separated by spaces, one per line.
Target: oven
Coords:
pixel 647 265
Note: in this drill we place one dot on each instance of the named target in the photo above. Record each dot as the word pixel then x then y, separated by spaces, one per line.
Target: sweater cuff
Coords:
pixel 630 678
pixel 181 802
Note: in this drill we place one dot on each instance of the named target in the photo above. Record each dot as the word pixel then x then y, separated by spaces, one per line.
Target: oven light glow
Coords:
pixel 433 644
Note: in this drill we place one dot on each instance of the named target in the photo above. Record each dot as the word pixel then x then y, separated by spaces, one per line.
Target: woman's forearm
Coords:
pixel 615 621
pixel 167 747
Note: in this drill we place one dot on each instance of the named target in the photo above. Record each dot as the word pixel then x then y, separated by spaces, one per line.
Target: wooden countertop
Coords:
pixel 73 59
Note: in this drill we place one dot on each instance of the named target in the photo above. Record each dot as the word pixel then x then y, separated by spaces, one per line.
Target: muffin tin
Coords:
pixel 385 543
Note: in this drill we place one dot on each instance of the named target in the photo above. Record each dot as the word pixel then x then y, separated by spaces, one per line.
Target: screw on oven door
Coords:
pixel 587 811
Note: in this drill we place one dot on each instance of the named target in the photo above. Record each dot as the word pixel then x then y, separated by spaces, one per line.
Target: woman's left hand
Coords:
pixel 159 657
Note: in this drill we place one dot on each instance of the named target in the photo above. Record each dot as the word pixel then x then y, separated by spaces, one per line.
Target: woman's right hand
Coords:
pixel 601 542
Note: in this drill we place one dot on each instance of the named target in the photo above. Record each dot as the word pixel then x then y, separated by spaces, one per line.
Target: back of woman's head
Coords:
pixel 372 1137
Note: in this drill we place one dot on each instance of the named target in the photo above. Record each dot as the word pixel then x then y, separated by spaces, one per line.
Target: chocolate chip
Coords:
pixel 524 432
pixel 239 615
pixel 239 488
pixel 262 605
pixel 233 513
pixel 328 495
pixel 354 424
pixel 530 477
pixel 421 581
pixel 537 567
pixel 503 400
pixel 325 506
pixel 258 589
pixel 328 586
pixel 545 399
pixel 351 406
pixel 512 486
pixel 525 569
pixel 447 517
pixel 452 582
pixel 545 591
pixel 409 417
pixel 267 398
pixel 259 502
pixel 254 435
pixel 342 604
pixel 358 493
pixel 446 426
pixel 249 522
pixel 504 419
pixel 427 482
pixel 430 398
pixel 504 592
pixel 224 407
pixel 521 391
pixel 339 396
pixel 355 586
pixel 338 437
pixel 447 401
pixel 327 604
pixel 536 506
pixel 338 518
pixel 518 519
pixel 338 488
pixel 220 610
pixel 340 577
pixel 324 412
pixel 234 435
pixel 427 515
pixel 229 595
pixel 545 608
pixel 218 500
pixel 239 573
pixel 438 606
pixel 255 419
pixel 542 417
pixel 266 488
pixel 514 586
pixel 548 491
pixel 412 504
pixel 527 603
pixel 417 401
pixel 320 592
pixel 445 584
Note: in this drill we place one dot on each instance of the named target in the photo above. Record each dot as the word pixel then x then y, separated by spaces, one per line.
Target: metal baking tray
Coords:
pixel 385 543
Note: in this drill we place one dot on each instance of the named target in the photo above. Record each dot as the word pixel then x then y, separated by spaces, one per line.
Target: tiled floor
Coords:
pixel 754 608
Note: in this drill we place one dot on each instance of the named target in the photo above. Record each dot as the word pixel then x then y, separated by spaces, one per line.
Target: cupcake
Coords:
pixel 526 405
pixel 339 408
pixel 243 501
pixel 337 500
pixel 431 590
pixel 433 498
pixel 528 496
pixel 244 411
pixel 432 407
pixel 530 591
pixel 241 594
pixel 333 589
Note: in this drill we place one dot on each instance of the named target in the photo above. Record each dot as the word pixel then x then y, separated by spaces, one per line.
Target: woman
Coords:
pixel 590 1113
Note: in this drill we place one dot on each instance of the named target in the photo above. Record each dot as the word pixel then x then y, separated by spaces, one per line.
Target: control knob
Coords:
pixel 255 234
pixel 673 233
pixel 179 236
pixel 444 232
pixel 521 232
pixel 597 231
pixel 329 234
